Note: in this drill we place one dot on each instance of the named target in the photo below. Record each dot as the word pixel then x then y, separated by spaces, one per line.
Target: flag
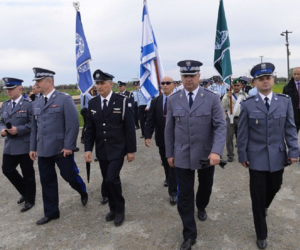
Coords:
pixel 222 61
pixel 149 74
pixel 83 58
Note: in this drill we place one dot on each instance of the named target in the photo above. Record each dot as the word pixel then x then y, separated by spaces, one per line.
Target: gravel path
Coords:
pixel 151 222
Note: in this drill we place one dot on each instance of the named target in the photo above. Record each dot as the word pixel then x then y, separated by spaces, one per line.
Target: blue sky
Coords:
pixel 40 33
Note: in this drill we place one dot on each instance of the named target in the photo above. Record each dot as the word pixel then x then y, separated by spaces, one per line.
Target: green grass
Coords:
pixel 277 88
pixel 80 116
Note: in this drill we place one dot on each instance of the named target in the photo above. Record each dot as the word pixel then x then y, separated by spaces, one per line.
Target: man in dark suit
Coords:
pixel 195 129
pixel 156 119
pixel 110 122
pixel 266 130
pixel 124 92
pixel 54 131
pixel 292 89
pixel 35 93
pixel 17 111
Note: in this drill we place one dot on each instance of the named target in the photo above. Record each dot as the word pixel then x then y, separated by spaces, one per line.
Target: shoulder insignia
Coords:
pixel 6 101
pixel 63 93
pixel 124 96
pixel 175 93
pixel 27 99
pixel 210 91
pixel 249 97
pixel 287 96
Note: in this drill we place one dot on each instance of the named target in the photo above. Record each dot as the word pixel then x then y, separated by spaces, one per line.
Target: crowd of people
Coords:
pixel 192 122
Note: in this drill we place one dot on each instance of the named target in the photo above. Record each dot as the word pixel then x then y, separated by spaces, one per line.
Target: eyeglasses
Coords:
pixel 168 83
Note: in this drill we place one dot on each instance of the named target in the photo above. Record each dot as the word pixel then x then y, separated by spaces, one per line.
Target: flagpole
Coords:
pixel 157 76
pixel 230 99
pixel 76 5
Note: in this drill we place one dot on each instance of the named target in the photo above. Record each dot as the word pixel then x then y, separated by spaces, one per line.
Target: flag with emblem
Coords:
pixel 83 58
pixel 151 69
pixel 222 61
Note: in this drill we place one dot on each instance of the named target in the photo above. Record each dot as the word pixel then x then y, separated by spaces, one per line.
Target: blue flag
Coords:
pixel 149 53
pixel 83 57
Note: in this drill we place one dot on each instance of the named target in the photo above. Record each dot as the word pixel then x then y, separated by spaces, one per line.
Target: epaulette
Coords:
pixel 6 101
pixel 121 95
pixel 210 91
pixel 287 96
pixel 27 99
pixel 63 93
pixel 175 93
pixel 249 97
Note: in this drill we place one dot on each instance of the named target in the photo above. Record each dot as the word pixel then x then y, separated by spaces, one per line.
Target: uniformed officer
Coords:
pixel 15 126
pixel 53 138
pixel 136 107
pixel 232 120
pixel 124 92
pixel 266 128
pixel 195 129
pixel 110 123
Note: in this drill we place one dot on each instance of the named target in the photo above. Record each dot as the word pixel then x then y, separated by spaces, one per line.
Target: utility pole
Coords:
pixel 286 34
pixel 261 58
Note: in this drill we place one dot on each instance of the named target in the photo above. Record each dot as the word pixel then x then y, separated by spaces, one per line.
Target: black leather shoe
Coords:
pixel 104 200
pixel 110 216
pixel 84 199
pixel 187 244
pixel 173 200
pixel 119 219
pixel 21 200
pixel 261 244
pixel 230 159
pixel 202 215
pixel 46 220
pixel 96 159
pixel 142 136
pixel 166 183
pixel 27 206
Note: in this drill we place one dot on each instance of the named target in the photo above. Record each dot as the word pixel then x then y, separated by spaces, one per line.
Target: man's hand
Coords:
pixel 147 143
pixel 245 164
pixel 67 152
pixel 130 157
pixel 171 162
pixel 3 133
pixel 12 131
pixel 293 160
pixel 214 159
pixel 88 156
pixel 32 155
pixel 146 109
pixel 229 94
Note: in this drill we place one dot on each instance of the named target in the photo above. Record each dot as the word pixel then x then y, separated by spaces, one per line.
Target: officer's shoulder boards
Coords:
pixel 175 93
pixel 249 97
pixel 287 96
pixel 7 101
pixel 27 100
pixel 93 97
pixel 208 90
pixel 63 93
pixel 121 95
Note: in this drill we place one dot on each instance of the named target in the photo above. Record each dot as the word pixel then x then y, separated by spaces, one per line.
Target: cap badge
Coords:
pixel 97 75
pixel 188 63
pixel 263 66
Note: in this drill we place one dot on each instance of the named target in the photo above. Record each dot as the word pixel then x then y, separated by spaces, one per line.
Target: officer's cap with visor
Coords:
pixel 11 83
pixel 262 69
pixel 189 67
pixel 40 73
pixel 100 76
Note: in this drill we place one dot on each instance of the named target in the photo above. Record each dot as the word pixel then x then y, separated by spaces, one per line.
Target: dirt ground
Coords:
pixel 151 222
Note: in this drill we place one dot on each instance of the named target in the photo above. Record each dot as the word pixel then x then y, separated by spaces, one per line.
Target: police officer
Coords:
pixel 53 138
pixel 232 120
pixel 195 129
pixel 135 106
pixel 124 92
pixel 110 123
pixel 15 126
pixel 266 128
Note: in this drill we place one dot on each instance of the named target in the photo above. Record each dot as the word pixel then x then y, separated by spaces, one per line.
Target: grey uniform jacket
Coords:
pixel 20 118
pixel 54 126
pixel 263 135
pixel 193 133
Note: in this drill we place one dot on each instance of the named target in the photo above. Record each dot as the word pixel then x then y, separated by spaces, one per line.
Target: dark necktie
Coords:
pixel 13 105
pixel 46 100
pixel 299 93
pixel 104 110
pixel 267 103
pixel 165 109
pixel 191 99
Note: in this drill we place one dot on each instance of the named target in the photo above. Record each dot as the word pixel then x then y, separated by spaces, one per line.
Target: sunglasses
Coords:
pixel 168 83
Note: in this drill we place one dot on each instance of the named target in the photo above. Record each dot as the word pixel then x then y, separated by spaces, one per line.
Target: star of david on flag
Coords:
pixel 149 74
pixel 83 57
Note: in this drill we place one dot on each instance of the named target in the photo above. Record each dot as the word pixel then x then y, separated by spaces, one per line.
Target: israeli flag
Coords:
pixel 83 58
pixel 149 53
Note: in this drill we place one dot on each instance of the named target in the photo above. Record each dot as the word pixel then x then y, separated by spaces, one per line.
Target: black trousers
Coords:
pixel 186 196
pixel 143 117
pixel 25 185
pixel 263 188
pixel 111 174
pixel 68 171
pixel 169 172
pixel 136 115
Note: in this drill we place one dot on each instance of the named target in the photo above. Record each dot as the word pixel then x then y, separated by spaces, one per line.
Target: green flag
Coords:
pixel 222 61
